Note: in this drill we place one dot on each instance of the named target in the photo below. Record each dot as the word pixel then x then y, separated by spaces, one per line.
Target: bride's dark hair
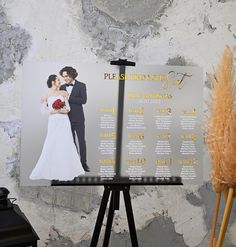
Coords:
pixel 51 78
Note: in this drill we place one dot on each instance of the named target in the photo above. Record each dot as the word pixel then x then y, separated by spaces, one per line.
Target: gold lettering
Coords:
pixel 139 111
pixel 138 161
pixel 163 162
pixel 164 136
pixel 193 161
pixel 133 95
pixel 107 161
pixel 136 136
pixel 164 110
pixel 108 110
pixel 190 112
pixel 111 135
pixel 189 136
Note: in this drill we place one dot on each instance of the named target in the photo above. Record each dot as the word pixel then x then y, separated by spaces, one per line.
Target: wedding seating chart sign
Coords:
pixel 69 123
pixel 162 129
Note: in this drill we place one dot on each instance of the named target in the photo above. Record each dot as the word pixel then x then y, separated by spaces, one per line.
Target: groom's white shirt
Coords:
pixel 69 89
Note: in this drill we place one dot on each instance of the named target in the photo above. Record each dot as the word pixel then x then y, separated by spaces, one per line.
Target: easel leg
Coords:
pixel 100 217
pixel 214 222
pixel 114 205
pixel 130 217
pixel 109 222
pixel 225 221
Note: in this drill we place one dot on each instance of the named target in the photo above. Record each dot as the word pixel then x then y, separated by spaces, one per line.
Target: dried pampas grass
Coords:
pixel 221 129
pixel 229 154
pixel 221 139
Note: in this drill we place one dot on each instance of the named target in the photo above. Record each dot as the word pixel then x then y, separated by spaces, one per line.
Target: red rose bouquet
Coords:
pixel 58 104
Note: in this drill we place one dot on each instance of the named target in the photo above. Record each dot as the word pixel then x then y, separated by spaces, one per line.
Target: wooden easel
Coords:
pixel 225 220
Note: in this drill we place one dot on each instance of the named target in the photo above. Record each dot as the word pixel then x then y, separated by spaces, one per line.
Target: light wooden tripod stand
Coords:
pixel 229 198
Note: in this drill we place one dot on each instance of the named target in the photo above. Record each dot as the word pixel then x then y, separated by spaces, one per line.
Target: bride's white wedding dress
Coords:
pixel 59 159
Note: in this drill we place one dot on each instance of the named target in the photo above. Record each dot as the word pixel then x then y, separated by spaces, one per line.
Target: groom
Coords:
pixel 77 97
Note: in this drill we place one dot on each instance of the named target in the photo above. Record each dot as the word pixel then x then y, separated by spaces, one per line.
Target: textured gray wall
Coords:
pixel 176 32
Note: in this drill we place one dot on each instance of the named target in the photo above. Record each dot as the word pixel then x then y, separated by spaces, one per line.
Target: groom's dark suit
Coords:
pixel 77 98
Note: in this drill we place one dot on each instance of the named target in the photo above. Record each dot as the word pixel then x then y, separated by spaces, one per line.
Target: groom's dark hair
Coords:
pixel 51 78
pixel 70 71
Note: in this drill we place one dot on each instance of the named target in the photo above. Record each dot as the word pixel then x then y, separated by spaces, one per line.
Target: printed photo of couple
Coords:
pixel 63 156
pixel 63 119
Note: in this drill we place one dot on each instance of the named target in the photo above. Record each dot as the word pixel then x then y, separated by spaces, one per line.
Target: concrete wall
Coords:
pixel 176 32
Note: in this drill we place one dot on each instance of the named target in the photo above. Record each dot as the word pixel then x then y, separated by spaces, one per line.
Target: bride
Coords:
pixel 59 159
